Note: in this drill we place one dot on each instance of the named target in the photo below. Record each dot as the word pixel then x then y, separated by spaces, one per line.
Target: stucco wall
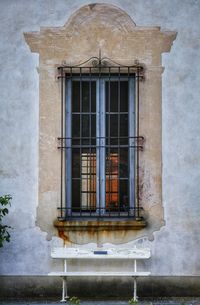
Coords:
pixel 175 247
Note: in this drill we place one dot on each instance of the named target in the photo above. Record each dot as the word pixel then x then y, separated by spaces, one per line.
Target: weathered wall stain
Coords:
pixel 64 237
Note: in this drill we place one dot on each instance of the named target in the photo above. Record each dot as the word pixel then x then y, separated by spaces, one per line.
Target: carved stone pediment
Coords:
pixel 104 27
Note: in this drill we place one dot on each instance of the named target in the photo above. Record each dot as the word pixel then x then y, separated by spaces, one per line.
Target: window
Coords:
pixel 99 175
pixel 100 143
pixel 123 41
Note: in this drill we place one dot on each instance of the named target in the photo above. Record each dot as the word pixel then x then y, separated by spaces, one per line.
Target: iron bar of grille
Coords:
pixel 104 72
pixel 139 143
pixel 114 137
pixel 137 70
pixel 100 213
pixel 101 146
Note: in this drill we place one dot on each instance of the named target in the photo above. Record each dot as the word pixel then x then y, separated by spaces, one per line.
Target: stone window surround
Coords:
pixel 105 27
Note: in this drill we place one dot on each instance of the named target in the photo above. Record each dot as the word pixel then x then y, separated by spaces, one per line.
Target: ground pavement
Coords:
pixel 163 301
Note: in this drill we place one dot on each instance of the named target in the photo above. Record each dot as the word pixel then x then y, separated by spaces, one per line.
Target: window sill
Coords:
pixel 99 225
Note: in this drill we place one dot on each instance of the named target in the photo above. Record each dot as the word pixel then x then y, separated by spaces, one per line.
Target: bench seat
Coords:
pixel 99 273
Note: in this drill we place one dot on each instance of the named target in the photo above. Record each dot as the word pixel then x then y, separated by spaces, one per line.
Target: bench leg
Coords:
pixel 135 289
pixel 66 296
pixel 64 290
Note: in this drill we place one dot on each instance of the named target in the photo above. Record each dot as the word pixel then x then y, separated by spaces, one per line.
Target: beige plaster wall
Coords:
pixel 110 29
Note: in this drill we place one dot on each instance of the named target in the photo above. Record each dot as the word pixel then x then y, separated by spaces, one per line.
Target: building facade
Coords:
pixel 100 140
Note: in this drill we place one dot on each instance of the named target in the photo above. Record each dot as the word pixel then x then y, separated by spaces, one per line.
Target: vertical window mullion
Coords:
pixel 137 132
pixel 68 133
pixel 81 181
pixel 118 142
pixel 109 155
pixel 90 140
pixel 131 108
pixel 98 145
pixel 63 105
pixel 102 147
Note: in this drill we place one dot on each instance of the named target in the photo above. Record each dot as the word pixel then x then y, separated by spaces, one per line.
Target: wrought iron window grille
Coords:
pixel 89 146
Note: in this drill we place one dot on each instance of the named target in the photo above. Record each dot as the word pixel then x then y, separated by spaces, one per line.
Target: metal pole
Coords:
pixel 135 290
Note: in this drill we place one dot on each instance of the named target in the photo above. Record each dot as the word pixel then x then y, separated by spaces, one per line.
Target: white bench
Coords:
pixel 66 254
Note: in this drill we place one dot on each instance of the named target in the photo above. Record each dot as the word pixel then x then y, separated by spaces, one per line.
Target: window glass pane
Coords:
pixel 112 179
pixel 124 96
pixel 86 131
pixel 88 180
pixel 107 94
pixel 76 194
pixel 124 125
pixel 84 158
pixel 84 189
pixel 93 178
pixel 124 198
pixel 75 96
pixel 123 165
pixel 112 103
pixel 93 129
pixel 93 96
pixel 75 163
pixel 114 125
pixel 86 126
pixel 75 125
pixel 85 97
